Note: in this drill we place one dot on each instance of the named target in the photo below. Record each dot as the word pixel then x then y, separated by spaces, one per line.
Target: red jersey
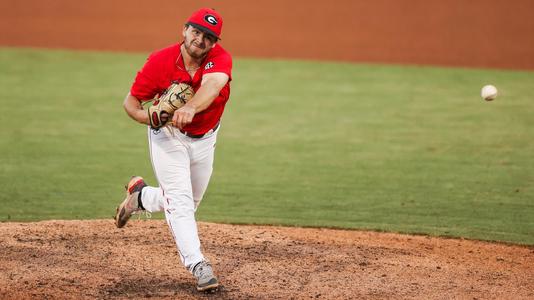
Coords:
pixel 166 66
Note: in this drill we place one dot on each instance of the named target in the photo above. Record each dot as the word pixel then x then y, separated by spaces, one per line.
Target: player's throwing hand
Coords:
pixel 183 116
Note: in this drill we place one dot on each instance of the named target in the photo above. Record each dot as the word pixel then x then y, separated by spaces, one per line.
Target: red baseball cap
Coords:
pixel 207 20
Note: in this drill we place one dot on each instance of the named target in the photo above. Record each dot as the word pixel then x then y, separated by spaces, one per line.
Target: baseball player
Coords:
pixel 182 151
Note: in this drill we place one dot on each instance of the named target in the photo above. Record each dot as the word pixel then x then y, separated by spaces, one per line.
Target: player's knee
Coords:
pixel 179 204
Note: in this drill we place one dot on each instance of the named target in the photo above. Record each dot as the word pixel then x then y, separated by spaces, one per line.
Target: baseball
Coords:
pixel 489 92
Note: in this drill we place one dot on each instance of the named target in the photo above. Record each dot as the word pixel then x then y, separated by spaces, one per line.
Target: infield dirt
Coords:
pixel 95 260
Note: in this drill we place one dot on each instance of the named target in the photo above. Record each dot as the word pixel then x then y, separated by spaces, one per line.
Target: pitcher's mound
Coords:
pixel 93 259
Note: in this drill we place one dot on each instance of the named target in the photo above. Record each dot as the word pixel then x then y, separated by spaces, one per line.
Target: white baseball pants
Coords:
pixel 183 168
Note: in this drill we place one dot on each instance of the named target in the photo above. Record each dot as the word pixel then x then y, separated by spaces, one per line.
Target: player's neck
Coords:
pixel 190 63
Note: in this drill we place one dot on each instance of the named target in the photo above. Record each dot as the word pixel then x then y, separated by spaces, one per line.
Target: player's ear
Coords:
pixel 184 30
pixel 213 40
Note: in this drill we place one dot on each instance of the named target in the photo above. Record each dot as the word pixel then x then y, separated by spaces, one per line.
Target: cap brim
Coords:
pixel 204 29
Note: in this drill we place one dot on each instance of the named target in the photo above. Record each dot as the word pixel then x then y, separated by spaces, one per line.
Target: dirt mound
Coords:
pixel 93 259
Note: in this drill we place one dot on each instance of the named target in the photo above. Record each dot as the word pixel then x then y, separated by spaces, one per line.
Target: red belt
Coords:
pixel 197 136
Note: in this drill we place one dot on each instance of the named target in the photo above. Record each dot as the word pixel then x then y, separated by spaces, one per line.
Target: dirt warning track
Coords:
pixel 476 33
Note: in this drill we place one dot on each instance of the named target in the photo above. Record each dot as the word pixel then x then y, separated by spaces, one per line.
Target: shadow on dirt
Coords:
pixel 142 287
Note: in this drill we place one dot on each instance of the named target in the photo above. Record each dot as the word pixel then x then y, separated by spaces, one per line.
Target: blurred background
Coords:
pixel 478 33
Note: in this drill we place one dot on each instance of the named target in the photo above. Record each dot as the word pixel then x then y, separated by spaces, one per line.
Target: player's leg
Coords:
pixel 171 159
pixel 152 199
pixel 202 157
pixel 171 163
pixel 201 170
pixel 202 152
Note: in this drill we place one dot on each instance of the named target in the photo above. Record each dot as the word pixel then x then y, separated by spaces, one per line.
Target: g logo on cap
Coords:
pixel 210 19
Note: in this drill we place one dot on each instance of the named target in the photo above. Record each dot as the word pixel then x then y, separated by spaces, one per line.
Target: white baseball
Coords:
pixel 489 92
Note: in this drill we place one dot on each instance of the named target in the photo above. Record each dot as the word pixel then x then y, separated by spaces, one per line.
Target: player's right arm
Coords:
pixel 135 110
pixel 145 87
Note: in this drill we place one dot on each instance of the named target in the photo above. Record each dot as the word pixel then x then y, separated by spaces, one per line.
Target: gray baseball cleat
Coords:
pixel 131 203
pixel 204 274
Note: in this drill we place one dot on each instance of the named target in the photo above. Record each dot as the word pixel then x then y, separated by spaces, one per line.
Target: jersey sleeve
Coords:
pixel 221 63
pixel 145 85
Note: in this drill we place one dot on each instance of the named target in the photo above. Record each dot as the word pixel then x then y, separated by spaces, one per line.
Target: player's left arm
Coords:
pixel 210 88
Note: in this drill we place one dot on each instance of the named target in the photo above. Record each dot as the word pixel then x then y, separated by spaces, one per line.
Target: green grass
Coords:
pixel 393 148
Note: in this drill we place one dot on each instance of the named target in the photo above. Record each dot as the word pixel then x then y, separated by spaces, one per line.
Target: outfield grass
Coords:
pixel 394 148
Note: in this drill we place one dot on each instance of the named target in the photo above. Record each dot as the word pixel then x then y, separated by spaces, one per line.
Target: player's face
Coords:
pixel 197 43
